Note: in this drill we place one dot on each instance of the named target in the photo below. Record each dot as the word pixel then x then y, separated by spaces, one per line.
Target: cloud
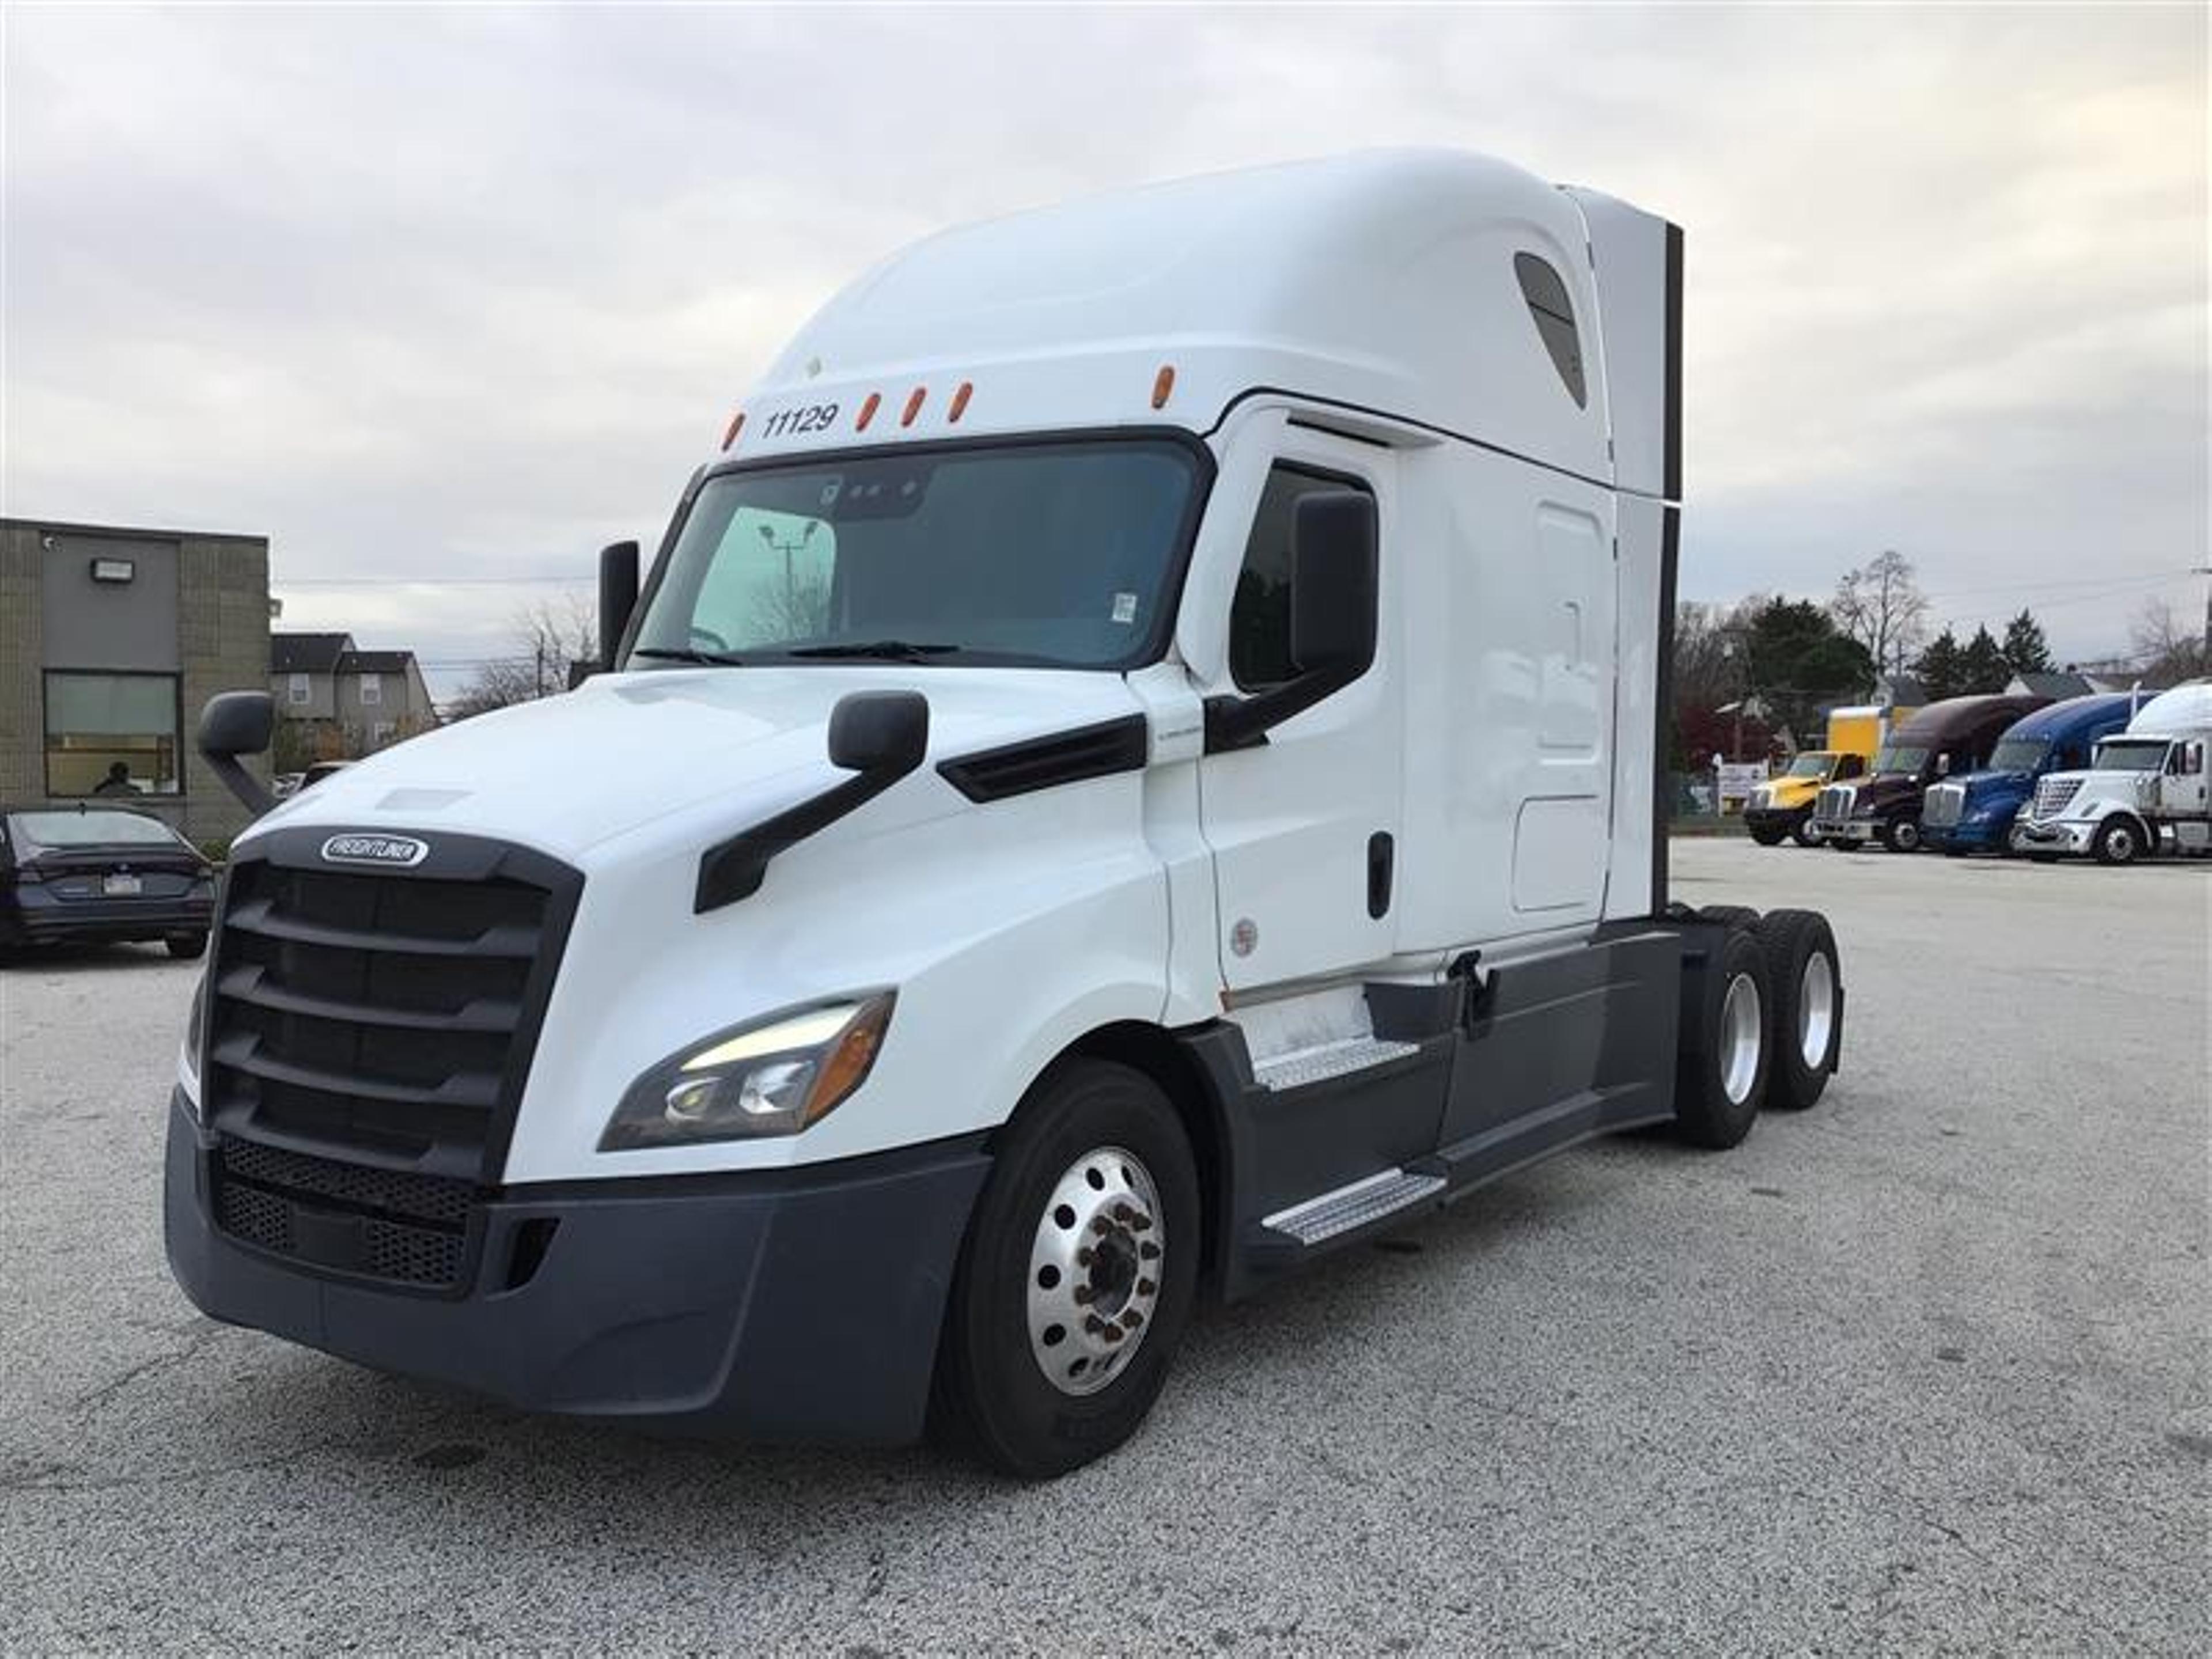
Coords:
pixel 426 293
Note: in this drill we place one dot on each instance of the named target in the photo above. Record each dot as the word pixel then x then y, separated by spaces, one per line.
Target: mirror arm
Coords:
pixel 1233 722
pixel 241 782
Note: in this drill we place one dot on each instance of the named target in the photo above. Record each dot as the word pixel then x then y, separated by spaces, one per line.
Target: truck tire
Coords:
pixel 1720 1079
pixel 1090 1224
pixel 1807 832
pixel 1769 837
pixel 186 947
pixel 2119 841
pixel 1901 834
pixel 1807 1027
pixel 1728 915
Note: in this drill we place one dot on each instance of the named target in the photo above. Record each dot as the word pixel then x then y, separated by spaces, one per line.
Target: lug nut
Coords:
pixel 1083 1295
pixel 1145 1287
pixel 1111 1333
pixel 1083 1256
pixel 1133 1319
pixel 1143 1223
pixel 1149 1252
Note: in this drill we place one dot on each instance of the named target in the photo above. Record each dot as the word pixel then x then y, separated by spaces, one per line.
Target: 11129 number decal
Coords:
pixel 793 422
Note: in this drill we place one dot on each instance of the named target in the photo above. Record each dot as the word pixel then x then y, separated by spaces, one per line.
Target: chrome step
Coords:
pixel 1300 1067
pixel 1352 1207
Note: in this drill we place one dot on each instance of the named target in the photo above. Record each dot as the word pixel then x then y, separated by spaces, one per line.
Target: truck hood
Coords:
pixel 1991 786
pixel 1884 789
pixel 567 773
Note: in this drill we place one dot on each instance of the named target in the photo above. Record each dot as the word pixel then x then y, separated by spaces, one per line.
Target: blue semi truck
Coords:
pixel 1974 813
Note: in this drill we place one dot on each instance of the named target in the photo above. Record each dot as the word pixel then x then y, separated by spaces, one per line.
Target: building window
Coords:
pixel 112 734
pixel 1554 317
pixel 298 689
pixel 372 690
pixel 1259 617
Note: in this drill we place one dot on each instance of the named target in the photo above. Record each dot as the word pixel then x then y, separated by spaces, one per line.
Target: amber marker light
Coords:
pixel 912 406
pixel 730 432
pixel 868 411
pixel 959 401
pixel 1162 386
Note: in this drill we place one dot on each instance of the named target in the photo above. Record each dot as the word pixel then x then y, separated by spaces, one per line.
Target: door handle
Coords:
pixel 1382 859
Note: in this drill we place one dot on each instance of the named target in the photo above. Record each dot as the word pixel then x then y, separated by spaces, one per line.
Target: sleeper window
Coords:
pixel 1260 618
pixel 1554 313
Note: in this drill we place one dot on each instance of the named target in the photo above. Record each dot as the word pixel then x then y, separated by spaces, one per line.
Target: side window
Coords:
pixel 770 581
pixel 1850 766
pixel 1260 618
pixel 1554 313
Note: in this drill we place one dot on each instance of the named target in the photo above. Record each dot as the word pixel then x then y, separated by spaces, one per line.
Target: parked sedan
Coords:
pixel 94 872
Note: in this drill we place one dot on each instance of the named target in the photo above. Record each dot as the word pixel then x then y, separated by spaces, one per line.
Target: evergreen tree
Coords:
pixel 2026 650
pixel 1797 663
pixel 1982 666
pixel 1940 667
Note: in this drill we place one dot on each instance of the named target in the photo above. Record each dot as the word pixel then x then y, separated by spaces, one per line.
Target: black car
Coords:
pixel 95 872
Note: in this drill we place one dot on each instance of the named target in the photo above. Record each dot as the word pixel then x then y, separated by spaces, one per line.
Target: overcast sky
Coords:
pixel 424 293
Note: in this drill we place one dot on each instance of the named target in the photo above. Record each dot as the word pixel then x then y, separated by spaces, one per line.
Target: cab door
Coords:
pixel 1303 827
pixel 2182 791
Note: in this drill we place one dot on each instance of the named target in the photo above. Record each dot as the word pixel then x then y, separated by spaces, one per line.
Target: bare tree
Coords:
pixel 2168 648
pixel 1881 606
pixel 547 638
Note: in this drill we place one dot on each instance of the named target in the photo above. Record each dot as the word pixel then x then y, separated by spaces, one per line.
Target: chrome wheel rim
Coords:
pixel 1741 1034
pixel 1907 836
pixel 2122 843
pixel 1816 1010
pixel 1094 1284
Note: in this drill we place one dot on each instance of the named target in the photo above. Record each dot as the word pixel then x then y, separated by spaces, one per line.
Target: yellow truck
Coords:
pixel 1782 807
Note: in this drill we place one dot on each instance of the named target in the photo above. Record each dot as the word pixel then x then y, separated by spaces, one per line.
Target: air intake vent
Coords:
pixel 1089 751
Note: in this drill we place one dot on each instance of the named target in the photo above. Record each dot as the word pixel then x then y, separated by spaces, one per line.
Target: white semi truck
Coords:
pixel 2145 790
pixel 1137 765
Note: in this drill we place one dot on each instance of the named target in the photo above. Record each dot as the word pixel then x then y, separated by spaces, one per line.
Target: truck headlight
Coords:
pixel 772 1077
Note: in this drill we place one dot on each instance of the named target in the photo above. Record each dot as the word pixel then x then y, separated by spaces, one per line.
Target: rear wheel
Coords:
pixel 2119 841
pixel 185 947
pixel 1077 1275
pixel 1806 1031
pixel 1721 1079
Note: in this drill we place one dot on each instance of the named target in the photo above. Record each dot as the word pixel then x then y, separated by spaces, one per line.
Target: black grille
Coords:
pixel 387 1224
pixel 382 1017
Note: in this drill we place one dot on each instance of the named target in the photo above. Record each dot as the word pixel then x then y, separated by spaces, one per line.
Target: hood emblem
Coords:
pixel 388 852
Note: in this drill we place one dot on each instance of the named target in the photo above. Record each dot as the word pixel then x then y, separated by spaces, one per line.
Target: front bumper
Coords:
pixel 1967 835
pixel 801 1305
pixel 1783 818
pixel 1851 830
pixel 2060 837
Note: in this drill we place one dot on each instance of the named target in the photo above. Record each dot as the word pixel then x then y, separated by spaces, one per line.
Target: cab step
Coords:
pixel 1298 1067
pixel 1353 1206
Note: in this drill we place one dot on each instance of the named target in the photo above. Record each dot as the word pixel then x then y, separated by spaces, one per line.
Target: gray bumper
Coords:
pixel 799 1304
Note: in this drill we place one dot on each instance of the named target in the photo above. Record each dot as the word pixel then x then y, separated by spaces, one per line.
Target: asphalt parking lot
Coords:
pixel 1924 1367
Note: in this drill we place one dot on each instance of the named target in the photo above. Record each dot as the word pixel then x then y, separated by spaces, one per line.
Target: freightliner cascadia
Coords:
pixel 1137 764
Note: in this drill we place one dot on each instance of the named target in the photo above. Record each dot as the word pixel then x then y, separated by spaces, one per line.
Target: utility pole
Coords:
pixel 2205 571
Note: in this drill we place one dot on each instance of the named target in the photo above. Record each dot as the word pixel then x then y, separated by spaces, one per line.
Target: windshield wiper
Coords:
pixel 685 653
pixel 883 650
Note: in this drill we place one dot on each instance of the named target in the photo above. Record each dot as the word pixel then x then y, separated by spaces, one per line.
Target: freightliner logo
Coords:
pixel 404 851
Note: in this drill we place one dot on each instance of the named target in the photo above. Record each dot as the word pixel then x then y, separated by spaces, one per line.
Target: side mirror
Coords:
pixel 235 723
pixel 877 736
pixel 1942 766
pixel 617 598
pixel 1335 594
pixel 1333 561
pixel 875 732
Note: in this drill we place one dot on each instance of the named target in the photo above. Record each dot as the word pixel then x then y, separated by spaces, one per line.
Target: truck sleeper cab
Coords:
pixel 1953 736
pixel 2144 789
pixel 1136 766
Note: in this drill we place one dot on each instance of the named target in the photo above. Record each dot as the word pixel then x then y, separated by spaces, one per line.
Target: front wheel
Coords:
pixel 1078 1276
pixel 1768 837
pixel 1901 834
pixel 1807 832
pixel 2119 841
pixel 186 947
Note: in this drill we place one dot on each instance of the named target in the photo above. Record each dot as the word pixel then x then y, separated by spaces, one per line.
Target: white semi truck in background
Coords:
pixel 1137 765
pixel 2145 791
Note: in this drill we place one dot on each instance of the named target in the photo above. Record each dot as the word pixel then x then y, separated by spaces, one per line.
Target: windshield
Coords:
pixel 2131 755
pixel 91 829
pixel 1061 555
pixel 1901 757
pixel 2019 754
pixel 1814 765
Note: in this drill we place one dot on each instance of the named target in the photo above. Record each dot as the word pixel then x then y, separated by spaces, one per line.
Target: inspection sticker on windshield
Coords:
pixel 1125 608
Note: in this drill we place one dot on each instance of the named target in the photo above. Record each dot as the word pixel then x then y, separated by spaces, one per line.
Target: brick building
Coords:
pixel 110 641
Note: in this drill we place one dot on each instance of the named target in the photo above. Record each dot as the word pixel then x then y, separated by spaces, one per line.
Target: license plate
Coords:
pixel 122 886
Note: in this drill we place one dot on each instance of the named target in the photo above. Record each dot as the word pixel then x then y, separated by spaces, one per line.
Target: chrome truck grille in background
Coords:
pixel 1835 804
pixel 1943 805
pixel 368 1033
pixel 2052 796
